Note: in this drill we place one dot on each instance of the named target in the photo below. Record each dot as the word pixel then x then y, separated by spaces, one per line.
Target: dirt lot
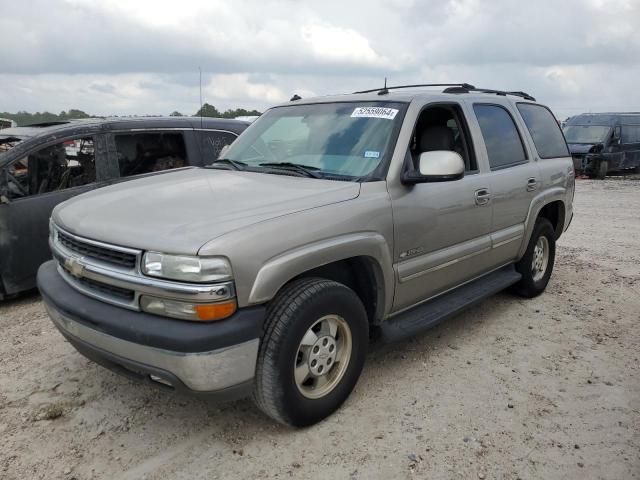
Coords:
pixel 545 388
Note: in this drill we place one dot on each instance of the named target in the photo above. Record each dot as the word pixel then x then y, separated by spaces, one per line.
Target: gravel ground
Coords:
pixel 543 388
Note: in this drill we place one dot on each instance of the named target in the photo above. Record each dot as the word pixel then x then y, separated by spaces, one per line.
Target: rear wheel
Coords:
pixel 312 352
pixel 536 265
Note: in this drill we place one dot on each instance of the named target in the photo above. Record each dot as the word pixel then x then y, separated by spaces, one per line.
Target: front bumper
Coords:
pixel 217 358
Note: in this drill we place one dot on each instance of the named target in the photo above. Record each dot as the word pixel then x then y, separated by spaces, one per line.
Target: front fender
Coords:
pixel 277 271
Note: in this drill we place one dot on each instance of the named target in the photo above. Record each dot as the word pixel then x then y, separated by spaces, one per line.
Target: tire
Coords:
pixel 603 166
pixel 534 281
pixel 316 305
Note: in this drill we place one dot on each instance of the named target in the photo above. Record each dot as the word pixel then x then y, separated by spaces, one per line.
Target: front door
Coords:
pixel 39 181
pixel 441 235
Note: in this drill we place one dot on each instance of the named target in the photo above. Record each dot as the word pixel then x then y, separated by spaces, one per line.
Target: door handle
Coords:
pixel 532 184
pixel 483 196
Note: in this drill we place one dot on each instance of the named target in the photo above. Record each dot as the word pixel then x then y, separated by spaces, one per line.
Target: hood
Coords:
pixel 178 212
pixel 581 148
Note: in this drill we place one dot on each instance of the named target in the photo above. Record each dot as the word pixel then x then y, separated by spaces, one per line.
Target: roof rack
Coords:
pixel 524 95
pixel 450 88
pixel 384 90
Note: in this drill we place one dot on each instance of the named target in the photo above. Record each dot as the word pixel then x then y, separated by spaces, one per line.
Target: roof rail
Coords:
pixel 460 89
pixel 450 88
pixel 385 89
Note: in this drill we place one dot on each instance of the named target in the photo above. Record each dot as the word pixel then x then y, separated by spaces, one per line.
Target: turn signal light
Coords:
pixel 199 312
pixel 215 311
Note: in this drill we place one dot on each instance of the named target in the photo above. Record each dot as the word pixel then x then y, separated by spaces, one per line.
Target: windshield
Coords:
pixel 334 140
pixel 585 133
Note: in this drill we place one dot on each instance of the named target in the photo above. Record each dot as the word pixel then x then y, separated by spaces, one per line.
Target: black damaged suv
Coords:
pixel 42 165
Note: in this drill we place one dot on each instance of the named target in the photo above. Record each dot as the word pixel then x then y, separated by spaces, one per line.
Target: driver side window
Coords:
pixel 67 164
pixel 442 127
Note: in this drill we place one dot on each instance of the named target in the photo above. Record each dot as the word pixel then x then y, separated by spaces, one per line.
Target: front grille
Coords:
pixel 110 290
pixel 104 254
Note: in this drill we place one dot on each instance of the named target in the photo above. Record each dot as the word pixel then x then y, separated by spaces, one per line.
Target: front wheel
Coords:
pixel 537 263
pixel 312 352
pixel 603 167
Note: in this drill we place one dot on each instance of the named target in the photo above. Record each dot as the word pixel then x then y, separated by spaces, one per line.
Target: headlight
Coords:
pixel 185 268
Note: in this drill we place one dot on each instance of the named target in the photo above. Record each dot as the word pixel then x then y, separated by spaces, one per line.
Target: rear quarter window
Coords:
pixel 544 130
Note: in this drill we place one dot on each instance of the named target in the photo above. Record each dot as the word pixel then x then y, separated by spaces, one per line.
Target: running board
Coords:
pixel 427 315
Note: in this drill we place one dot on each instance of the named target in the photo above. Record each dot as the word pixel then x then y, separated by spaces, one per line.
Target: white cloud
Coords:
pixel 142 56
pixel 341 45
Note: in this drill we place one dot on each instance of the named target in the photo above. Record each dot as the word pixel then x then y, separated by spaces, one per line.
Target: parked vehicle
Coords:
pixel 45 164
pixel 604 142
pixel 7 123
pixel 329 223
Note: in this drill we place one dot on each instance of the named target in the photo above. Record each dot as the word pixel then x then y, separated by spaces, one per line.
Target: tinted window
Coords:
pixel 211 143
pixel 150 152
pixel 631 134
pixel 57 167
pixel 544 130
pixel 500 134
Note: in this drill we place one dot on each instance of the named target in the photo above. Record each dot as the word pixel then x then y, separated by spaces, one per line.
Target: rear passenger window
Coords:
pixel 501 137
pixel 544 130
pixel 150 152
pixel 211 142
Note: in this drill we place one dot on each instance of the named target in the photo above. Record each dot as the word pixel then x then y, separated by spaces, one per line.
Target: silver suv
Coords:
pixel 329 225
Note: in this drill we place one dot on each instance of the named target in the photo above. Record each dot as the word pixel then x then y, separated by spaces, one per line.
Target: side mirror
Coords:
pixel 436 166
pixel 615 138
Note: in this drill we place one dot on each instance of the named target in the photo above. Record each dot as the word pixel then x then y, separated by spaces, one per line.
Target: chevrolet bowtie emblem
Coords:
pixel 74 267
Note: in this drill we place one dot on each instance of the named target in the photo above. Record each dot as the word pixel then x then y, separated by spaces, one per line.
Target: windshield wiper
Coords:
pixel 307 170
pixel 234 164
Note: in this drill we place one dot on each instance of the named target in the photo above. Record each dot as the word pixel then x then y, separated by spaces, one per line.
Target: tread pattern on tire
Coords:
pixel 292 297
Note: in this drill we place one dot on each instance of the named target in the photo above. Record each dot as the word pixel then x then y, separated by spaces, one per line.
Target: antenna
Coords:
pixel 200 70
pixel 384 90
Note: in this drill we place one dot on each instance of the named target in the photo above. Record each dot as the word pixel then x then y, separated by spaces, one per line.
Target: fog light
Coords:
pixel 188 311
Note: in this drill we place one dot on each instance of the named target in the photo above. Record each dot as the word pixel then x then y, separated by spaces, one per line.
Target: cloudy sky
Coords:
pixel 142 56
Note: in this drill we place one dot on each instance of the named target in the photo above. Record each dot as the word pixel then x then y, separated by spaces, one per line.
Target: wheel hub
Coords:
pixel 322 356
pixel 540 258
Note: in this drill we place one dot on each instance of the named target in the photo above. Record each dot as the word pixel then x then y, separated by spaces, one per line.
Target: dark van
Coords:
pixel 604 142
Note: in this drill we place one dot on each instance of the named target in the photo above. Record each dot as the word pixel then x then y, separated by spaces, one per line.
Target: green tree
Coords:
pixel 240 112
pixel 207 111
pixel 25 118
pixel 176 113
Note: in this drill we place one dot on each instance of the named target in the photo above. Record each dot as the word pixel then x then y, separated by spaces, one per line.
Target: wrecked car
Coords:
pixel 7 123
pixel 604 142
pixel 330 223
pixel 42 165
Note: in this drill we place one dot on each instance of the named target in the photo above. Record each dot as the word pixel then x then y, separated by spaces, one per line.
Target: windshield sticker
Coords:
pixel 371 154
pixel 375 112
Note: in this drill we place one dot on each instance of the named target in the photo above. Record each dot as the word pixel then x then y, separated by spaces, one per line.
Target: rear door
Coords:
pixel 46 176
pixel 513 178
